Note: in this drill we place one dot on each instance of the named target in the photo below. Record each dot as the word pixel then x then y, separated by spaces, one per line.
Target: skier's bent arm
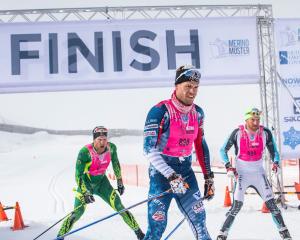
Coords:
pixel 202 154
pixel 82 163
pixel 232 140
pixel 201 148
pixel 159 163
pixel 271 146
pixel 203 157
pixel 115 161
pixel 156 122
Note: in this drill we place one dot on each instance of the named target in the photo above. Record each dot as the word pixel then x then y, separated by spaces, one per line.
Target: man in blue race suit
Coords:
pixel 172 127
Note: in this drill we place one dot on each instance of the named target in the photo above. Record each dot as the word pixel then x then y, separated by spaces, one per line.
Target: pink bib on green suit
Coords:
pixel 99 162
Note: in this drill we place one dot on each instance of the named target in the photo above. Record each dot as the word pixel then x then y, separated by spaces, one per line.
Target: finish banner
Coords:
pixel 287 39
pixel 60 56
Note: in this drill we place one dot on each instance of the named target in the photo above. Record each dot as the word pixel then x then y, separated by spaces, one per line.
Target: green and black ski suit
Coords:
pixel 96 184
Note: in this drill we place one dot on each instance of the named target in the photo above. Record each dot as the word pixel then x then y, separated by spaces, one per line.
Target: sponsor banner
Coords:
pixel 108 54
pixel 287 40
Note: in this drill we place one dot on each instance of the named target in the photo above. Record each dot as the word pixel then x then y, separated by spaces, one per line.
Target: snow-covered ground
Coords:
pixel 38 171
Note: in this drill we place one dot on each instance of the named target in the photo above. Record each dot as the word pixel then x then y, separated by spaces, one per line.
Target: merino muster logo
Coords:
pixel 231 47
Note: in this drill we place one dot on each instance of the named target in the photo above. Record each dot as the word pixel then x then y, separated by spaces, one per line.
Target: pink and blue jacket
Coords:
pixel 169 134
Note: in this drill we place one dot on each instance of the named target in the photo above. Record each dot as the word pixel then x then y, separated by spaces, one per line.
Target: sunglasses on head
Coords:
pixel 190 75
pixel 255 112
pixel 100 130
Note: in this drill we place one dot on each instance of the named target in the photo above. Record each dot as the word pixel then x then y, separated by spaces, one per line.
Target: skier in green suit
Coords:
pixel 92 162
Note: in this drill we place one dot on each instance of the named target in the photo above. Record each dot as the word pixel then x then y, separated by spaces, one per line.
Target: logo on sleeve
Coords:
pixel 151 126
pixel 149 133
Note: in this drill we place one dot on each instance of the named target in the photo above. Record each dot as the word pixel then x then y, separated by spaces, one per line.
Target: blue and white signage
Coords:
pixel 287 39
pixel 57 56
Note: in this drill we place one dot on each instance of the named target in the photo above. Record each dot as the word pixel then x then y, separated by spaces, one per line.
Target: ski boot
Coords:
pixel 59 238
pixel 222 236
pixel 284 234
pixel 140 235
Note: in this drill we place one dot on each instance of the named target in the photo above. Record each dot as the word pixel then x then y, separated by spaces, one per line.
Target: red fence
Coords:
pixel 137 174
pixel 133 174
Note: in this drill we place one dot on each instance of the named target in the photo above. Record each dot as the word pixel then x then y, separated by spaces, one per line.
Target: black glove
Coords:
pixel 88 198
pixel 121 187
pixel 209 188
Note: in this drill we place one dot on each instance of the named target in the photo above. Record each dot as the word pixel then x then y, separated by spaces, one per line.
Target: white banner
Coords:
pixel 287 39
pixel 125 53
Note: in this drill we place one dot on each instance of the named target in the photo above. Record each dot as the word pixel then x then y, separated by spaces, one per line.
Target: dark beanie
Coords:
pixel 187 73
pixel 99 131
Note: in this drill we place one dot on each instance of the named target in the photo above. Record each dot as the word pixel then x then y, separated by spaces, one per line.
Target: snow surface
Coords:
pixel 38 171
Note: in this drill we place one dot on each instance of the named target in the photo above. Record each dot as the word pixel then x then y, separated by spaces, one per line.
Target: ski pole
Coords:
pixel 280 191
pixel 178 225
pixel 115 213
pixel 286 192
pixel 174 229
pixel 7 208
pixel 214 172
pixel 254 193
pixel 57 222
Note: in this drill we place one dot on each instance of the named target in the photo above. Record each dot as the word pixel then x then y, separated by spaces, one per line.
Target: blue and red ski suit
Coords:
pixel 156 137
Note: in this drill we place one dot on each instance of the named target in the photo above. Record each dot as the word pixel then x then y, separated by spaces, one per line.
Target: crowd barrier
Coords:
pixel 137 174
pixel 133 174
pixel 290 162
